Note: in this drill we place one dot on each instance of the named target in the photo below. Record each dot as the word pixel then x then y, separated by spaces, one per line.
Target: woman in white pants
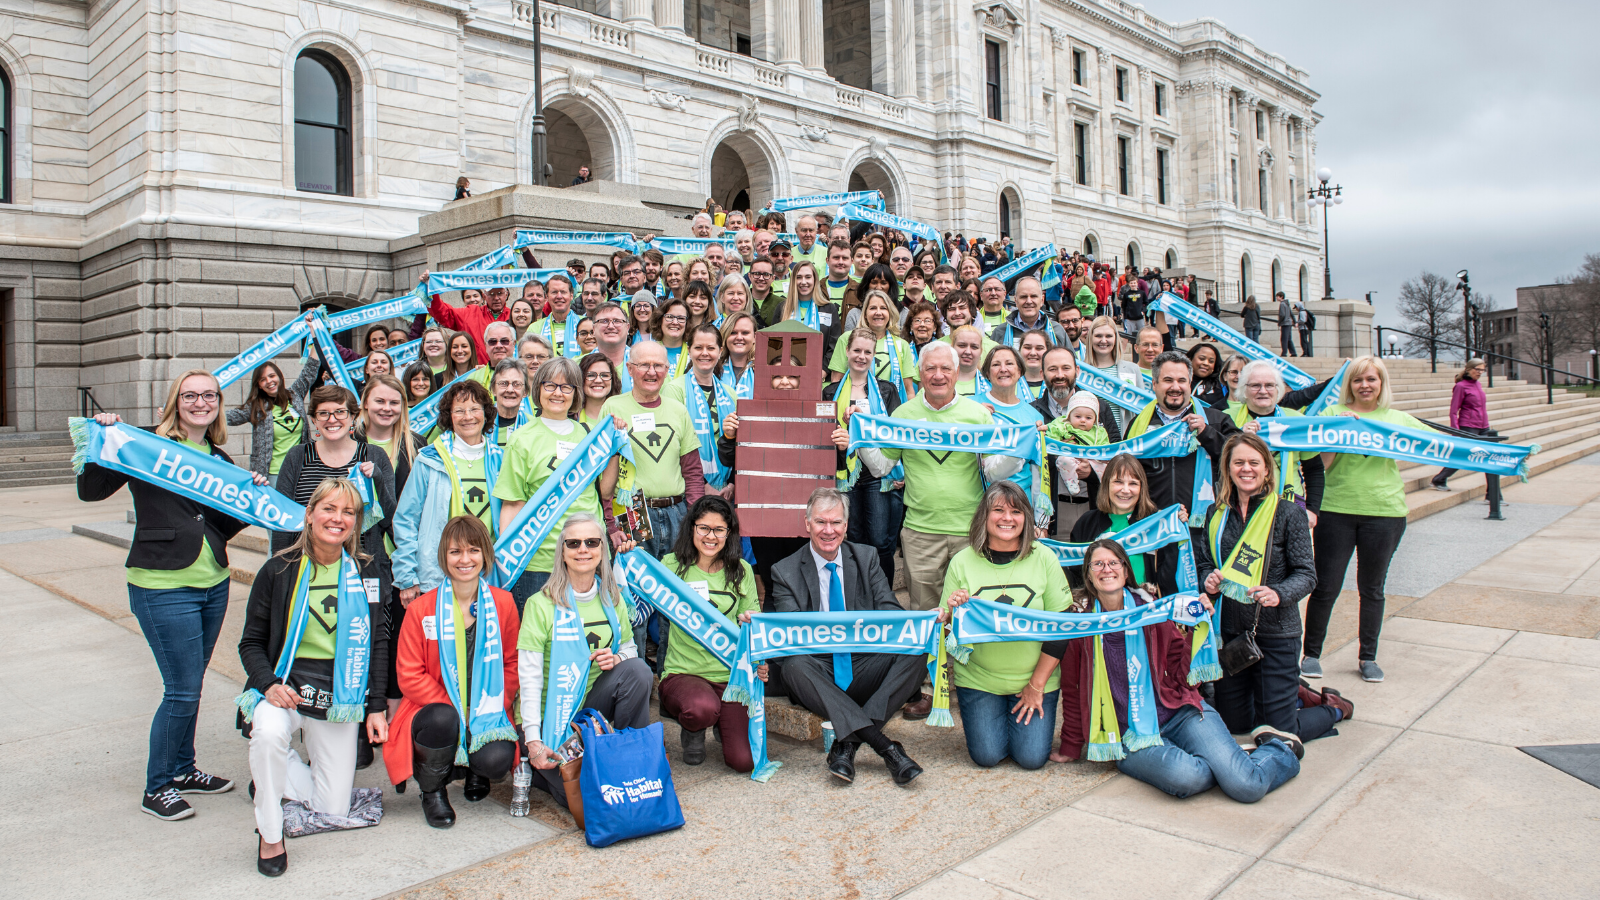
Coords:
pixel 314 607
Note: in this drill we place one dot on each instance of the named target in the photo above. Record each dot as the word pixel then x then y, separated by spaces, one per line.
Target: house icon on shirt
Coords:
pixel 653 439
pixel 475 494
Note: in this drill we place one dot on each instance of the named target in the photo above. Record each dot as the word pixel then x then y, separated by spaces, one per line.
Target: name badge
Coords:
pixel 371 585
pixel 563 448
pixel 702 588
pixel 864 404
pixel 644 421
pixel 430 628
pixel 824 318
pixel 824 411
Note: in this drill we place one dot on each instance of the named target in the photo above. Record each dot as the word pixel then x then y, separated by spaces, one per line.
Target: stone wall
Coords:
pixel 847 36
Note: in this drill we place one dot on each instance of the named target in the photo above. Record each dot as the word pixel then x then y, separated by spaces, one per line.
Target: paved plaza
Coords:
pixel 1491 646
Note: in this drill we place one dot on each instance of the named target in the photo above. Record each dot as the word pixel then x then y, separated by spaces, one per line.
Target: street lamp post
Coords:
pixel 541 164
pixel 1325 196
pixel 1549 360
pixel 1468 311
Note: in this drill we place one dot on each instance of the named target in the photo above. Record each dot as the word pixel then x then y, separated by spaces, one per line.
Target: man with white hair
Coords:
pixel 942 489
pixel 701 226
pixel 808 248
pixel 734 220
pixel 744 243
pixel 498 338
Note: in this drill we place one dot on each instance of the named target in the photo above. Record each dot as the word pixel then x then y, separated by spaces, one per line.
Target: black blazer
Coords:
pixel 170 527
pixel 891 402
pixel 1291 571
pixel 266 618
pixel 1160 567
pixel 795 587
pixel 1172 479
pixel 383 481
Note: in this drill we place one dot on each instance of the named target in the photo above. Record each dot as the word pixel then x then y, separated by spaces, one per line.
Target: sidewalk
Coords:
pixel 1491 646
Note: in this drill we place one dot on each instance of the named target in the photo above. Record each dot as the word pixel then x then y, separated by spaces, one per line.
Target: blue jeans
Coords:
pixel 1253 334
pixel 528 584
pixel 875 518
pixel 181 626
pixel 1199 754
pixel 993 732
pixel 664 523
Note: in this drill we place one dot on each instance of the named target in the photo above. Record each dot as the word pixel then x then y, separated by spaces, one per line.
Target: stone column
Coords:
pixel 811 46
pixel 1107 157
pixel 1147 144
pixel 1249 155
pixel 904 83
pixel 764 30
pixel 1282 203
pixel 788 28
pixel 669 15
pixel 637 11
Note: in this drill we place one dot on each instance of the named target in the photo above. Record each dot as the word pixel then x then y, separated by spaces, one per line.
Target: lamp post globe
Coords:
pixel 1324 174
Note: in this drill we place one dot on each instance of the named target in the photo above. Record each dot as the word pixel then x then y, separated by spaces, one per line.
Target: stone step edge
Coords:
pixel 1475 487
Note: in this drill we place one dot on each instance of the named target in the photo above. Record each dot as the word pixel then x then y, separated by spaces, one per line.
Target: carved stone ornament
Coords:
pixel 1058 38
pixel 810 132
pixel 877 146
pixel 579 80
pixel 1000 16
pixel 1266 158
pixel 749 112
pixel 669 100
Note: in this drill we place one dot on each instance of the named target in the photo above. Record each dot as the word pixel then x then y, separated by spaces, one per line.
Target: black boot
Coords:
pixel 476 787
pixel 363 750
pixel 432 767
pixel 694 746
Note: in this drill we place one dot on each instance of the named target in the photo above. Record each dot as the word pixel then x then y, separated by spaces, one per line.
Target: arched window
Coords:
pixel 1089 248
pixel 1172 258
pixel 322 161
pixel 1005 215
pixel 5 137
pixel 1133 254
pixel 1305 286
pixel 1244 277
pixel 1277 278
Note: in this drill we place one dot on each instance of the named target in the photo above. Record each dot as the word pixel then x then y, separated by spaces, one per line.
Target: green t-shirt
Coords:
pixel 323 624
pixel 286 434
pixel 836 291
pixel 1119 524
pixel 661 436
pixel 988 321
pixel 984 348
pixel 538 620
pixel 532 457
pixel 204 572
pixel 1362 485
pixel 1036 582
pixel 817 255
pixel 942 489
pixel 880 359
pixel 684 653
pixel 474 489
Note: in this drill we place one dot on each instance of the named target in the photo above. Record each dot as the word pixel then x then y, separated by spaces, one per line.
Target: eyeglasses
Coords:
pixel 1106 565
pixel 675 320
pixel 611 323
pixel 1256 386
pixel 649 367
pixel 560 390
pixel 497 342
pixel 760 274
pixel 710 531
pixel 575 543
pixel 190 398
pixel 332 415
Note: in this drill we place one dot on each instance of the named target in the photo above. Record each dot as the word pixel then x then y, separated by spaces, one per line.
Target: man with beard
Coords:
pixel 1173 480
pixel 1061 379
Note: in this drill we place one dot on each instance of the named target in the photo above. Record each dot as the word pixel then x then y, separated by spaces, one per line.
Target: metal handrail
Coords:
pixel 1489 357
pixel 86 400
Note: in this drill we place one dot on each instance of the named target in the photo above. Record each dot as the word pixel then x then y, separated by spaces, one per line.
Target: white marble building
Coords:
pixel 156 215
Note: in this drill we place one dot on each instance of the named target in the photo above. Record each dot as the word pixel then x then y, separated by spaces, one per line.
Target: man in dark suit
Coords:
pixel 876 684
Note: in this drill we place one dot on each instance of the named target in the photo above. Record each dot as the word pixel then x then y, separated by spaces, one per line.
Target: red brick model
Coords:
pixel 785 447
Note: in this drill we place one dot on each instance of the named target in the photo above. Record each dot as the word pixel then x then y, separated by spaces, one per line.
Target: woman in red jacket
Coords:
pixel 462 718
pixel 1195 751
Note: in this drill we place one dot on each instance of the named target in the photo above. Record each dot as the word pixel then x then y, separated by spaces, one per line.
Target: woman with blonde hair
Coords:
pixel 892 357
pixel 733 297
pixel 310 620
pixel 1363 514
pixel 177 587
pixel 1103 353
pixel 582 595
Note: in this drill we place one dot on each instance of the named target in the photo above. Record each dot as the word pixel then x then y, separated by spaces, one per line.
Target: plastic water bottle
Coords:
pixel 521 784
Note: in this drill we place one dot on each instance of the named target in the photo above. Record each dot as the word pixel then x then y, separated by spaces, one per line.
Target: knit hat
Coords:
pixel 1086 400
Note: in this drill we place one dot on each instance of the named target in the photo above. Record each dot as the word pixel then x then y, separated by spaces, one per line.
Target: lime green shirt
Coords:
pixel 474 489
pixel 942 489
pixel 286 434
pixel 880 359
pixel 1360 485
pixel 538 620
pixel 322 625
pixel 204 572
pixel 684 653
pixel 661 436
pixel 1119 524
pixel 532 457
pixel 1034 581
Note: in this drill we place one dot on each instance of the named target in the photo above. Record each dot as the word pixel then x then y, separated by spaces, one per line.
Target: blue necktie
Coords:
pixel 842 673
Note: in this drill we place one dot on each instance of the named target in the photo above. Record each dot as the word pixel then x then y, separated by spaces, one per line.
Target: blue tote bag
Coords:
pixel 626 783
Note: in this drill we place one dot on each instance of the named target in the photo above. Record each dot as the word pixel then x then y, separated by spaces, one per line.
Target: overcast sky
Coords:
pixel 1465 133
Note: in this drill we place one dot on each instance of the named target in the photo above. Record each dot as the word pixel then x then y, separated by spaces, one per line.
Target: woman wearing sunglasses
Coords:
pixel 582 590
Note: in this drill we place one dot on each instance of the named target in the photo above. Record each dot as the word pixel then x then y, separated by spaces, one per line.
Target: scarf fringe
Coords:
pixel 78 428
pixel 1522 467
pixel 1137 742
pixel 1105 752
pixel 1233 590
pixel 1204 672
pixel 765 773
pixel 737 693
pixel 479 741
pixel 941 718
pixel 247 702
pixel 346 712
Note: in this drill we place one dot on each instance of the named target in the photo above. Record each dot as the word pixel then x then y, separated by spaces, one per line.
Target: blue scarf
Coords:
pixel 654 585
pixel 771 635
pixel 1330 394
pixel 1130 397
pixel 497 259
pixel 1144 726
pixel 812 201
pixel 680 245
pixel 425 415
pixel 371 509
pixel 525 415
pixel 486 721
pixel 1180 309
pixel 855 212
pixel 569 334
pixel 895 378
pixel 1204 493
pixel 412 304
pixel 1370 437
pixel 1165 442
pixel 744 387
pixel 805 312
pixel 621 240
pixel 175 467
pixel 297 329
pixel 352 649
pixel 330 354
pixel 517 544
pixel 1023 263
pixel 569 666
pixel 1020 441
pixel 708 423
pixel 852 462
pixel 444 450
pixel 461 280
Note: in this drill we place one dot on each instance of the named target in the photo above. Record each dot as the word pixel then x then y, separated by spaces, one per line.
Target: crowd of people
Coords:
pixel 401 526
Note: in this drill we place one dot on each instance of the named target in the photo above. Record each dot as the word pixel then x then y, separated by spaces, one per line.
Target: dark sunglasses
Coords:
pixel 575 543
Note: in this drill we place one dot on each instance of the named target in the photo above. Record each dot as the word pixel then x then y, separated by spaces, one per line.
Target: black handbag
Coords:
pixel 1242 652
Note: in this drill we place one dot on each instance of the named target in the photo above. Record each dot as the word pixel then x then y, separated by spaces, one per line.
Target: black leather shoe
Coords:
pixel 436 808
pixel 694 746
pixel 902 767
pixel 476 787
pixel 363 752
pixel 272 866
pixel 842 760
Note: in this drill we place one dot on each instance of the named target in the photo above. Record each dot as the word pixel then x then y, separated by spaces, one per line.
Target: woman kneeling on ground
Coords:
pixel 308 615
pixel 618 686
pixel 1194 751
pixel 1262 542
pixel 451 638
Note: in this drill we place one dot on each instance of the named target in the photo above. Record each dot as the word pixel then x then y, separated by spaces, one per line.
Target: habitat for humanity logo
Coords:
pixel 631 791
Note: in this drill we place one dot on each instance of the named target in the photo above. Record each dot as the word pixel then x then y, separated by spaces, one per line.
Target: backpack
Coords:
pixel 1311 321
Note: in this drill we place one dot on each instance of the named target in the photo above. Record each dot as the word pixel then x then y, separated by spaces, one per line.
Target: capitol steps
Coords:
pixel 35 458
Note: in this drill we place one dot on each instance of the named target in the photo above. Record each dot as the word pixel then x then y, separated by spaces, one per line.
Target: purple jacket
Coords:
pixel 1469 408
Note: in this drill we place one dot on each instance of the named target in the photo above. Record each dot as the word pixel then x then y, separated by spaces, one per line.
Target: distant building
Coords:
pixel 1517 332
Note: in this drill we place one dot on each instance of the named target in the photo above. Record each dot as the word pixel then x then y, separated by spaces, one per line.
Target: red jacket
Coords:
pixel 470 319
pixel 1169 652
pixel 417 672
pixel 1102 290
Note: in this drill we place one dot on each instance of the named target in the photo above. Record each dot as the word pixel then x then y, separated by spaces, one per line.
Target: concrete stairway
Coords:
pixel 1567 430
pixel 34 458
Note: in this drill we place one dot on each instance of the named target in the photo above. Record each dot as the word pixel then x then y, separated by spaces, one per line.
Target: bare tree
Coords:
pixel 1432 310
pixel 1584 309
pixel 1561 304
